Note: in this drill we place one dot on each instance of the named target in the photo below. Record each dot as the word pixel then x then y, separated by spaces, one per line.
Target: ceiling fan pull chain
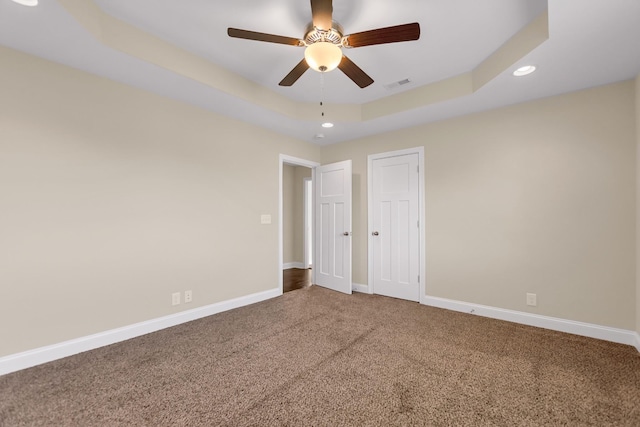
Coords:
pixel 322 93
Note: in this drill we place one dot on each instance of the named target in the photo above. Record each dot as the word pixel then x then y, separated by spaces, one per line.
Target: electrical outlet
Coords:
pixel 175 298
pixel 188 296
pixel 265 219
pixel 532 300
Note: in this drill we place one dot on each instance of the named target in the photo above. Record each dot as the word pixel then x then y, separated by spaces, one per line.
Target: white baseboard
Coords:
pixel 358 287
pixel 289 265
pixel 27 359
pixel 606 333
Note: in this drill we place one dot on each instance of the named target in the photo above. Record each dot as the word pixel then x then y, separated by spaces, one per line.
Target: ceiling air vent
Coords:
pixel 396 85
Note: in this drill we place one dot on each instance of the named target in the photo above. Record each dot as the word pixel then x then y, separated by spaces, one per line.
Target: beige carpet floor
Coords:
pixel 314 357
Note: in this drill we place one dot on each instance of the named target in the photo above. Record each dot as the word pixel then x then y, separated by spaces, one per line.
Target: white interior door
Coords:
pixel 332 265
pixel 395 230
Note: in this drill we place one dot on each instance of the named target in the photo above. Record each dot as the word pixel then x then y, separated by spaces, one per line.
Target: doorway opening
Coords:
pixel 331 223
pixel 295 223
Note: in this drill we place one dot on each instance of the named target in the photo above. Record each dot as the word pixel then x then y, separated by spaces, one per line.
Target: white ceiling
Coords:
pixel 591 42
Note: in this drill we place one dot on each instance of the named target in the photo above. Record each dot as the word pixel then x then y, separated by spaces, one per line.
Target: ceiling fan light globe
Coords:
pixel 323 56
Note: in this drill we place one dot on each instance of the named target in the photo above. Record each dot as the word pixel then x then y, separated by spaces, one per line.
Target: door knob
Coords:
pixel 346 233
pixel 375 233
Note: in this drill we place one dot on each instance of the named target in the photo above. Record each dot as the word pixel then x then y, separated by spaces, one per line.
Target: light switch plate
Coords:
pixel 175 298
pixel 265 219
pixel 532 300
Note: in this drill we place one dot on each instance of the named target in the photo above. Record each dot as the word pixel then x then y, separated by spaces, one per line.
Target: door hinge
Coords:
pixel 418 223
pixel 418 278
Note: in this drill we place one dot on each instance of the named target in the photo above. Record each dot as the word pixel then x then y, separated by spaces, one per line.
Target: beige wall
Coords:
pixel 293 212
pixel 288 213
pixel 638 204
pixel 112 198
pixel 537 197
pixel 301 173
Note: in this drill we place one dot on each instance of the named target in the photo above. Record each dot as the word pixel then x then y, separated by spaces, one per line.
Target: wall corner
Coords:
pixel 637 117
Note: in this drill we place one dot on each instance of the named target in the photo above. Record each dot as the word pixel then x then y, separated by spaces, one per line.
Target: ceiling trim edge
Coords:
pixel 130 40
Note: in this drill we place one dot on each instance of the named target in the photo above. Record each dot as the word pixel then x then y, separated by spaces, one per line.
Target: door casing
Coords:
pixel 308 222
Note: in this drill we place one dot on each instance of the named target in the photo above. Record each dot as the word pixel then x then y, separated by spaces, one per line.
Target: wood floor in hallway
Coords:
pixel 296 278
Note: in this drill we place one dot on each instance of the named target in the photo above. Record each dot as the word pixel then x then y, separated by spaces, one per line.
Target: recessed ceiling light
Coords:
pixel 327 125
pixel 523 71
pixel 27 2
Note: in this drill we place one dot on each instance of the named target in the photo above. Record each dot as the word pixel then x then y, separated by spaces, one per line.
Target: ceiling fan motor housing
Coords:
pixel 334 35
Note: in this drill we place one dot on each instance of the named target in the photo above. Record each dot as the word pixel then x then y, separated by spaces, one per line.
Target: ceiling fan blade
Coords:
pixel 262 37
pixel 397 33
pixel 354 72
pixel 322 11
pixel 295 74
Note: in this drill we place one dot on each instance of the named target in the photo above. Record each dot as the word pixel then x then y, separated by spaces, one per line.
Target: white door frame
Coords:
pixel 422 258
pixel 296 162
pixel 308 222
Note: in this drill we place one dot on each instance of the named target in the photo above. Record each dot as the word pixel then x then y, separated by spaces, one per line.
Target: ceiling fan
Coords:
pixel 324 41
